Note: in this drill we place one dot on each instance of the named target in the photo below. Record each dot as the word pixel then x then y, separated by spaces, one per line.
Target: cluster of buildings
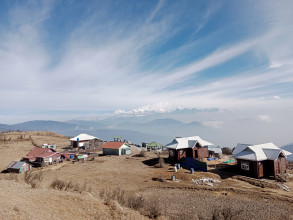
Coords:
pixel 264 160
pixel 82 146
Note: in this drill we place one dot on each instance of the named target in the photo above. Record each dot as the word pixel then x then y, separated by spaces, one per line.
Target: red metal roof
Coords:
pixel 39 152
pixel 112 145
pixel 49 154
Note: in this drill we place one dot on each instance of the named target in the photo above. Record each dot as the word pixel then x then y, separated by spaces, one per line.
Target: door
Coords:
pixel 189 153
pixel 260 169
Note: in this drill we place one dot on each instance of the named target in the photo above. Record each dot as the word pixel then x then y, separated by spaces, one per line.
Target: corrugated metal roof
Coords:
pixel 16 164
pixel 154 144
pixel 113 145
pixel 48 154
pixel 240 147
pixel 246 154
pixel 38 152
pixel 216 150
pixel 187 142
pixel 287 153
pixel 272 154
pixel 83 137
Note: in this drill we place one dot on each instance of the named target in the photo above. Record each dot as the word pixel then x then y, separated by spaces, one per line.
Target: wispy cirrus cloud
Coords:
pixel 125 59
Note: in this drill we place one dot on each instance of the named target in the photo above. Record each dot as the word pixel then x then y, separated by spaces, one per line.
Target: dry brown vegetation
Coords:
pixel 128 187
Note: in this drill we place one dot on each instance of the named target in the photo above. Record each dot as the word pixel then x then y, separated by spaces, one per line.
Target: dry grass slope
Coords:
pixel 126 187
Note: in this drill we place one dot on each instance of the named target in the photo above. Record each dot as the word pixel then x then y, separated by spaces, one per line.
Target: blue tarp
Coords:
pixel 212 158
pixel 189 163
pixel 228 161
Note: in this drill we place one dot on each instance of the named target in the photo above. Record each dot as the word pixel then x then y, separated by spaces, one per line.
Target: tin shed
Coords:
pixel 19 167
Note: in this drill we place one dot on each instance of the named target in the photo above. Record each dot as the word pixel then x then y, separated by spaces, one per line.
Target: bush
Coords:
pixel 34 179
pixel 117 194
pixel 58 184
pixel 69 186
pixel 153 209
pixel 135 202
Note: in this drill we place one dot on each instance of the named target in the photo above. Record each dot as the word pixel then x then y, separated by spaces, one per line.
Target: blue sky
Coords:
pixel 64 59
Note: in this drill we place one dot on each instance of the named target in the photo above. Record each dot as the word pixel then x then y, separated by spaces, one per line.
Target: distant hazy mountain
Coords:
pixel 40 125
pixel 289 147
pixel 74 128
pixel 135 129
pixel 4 127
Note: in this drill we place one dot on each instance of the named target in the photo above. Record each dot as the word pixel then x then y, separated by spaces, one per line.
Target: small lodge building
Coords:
pixel 191 147
pixel 263 160
pixel 82 140
pixel 39 156
pixel 116 148
pixel 48 159
pixel 38 152
pixel 152 146
pixel 19 167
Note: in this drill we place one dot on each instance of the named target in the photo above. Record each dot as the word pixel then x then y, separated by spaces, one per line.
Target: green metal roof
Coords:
pixel 154 144
pixel 118 137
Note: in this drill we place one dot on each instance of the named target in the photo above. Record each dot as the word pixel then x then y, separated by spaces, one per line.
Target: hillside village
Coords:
pixel 133 175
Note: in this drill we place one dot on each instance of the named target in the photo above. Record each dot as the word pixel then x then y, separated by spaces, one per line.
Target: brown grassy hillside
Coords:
pixel 128 187
pixel 15 145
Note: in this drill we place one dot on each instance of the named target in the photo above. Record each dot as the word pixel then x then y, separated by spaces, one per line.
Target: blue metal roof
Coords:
pixel 16 164
pixel 272 154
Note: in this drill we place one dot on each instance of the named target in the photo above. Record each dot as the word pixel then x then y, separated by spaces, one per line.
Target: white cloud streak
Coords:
pixel 105 73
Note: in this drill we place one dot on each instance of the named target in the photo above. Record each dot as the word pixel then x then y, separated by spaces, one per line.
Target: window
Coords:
pixel 244 166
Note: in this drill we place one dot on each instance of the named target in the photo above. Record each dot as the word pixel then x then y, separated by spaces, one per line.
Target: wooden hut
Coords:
pixel 191 147
pixel 263 160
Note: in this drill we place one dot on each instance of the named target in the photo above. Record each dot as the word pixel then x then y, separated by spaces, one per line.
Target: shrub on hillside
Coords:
pixel 33 179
